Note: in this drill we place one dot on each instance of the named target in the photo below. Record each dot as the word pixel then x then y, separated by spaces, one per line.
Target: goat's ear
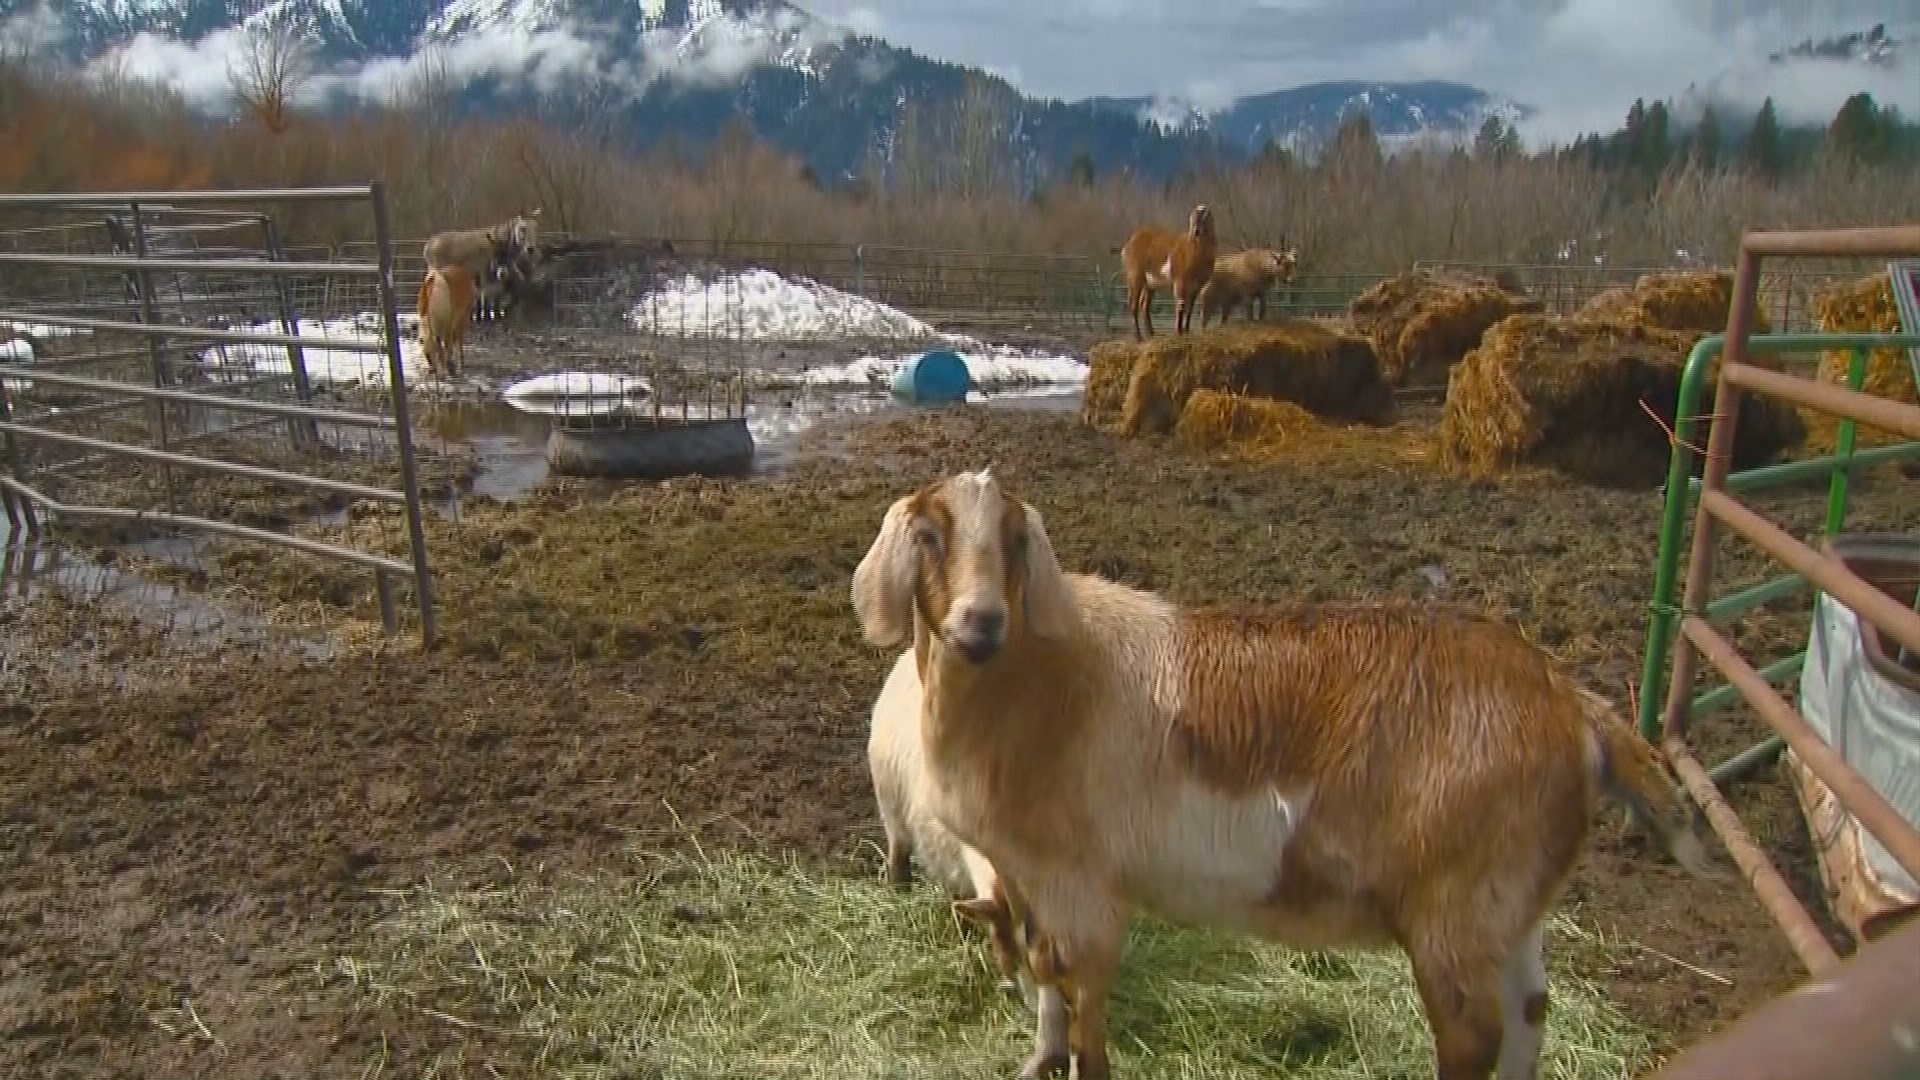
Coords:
pixel 979 909
pixel 1050 613
pixel 883 582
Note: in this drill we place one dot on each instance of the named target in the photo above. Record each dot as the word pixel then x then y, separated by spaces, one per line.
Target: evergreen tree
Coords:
pixel 1496 141
pixel 1706 139
pixel 1355 143
pixel 1656 140
pixel 1856 133
pixel 1763 145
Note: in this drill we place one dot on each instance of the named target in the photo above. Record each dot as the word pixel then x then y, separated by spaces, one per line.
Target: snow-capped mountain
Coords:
pixel 685 68
pixel 1304 116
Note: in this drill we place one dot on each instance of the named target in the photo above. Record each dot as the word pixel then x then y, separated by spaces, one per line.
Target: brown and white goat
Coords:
pixel 1154 257
pixel 1321 775
pixel 1245 277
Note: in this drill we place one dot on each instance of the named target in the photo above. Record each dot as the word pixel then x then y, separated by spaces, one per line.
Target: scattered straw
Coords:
pixel 743 966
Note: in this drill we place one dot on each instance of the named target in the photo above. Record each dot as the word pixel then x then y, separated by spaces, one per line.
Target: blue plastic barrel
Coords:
pixel 935 377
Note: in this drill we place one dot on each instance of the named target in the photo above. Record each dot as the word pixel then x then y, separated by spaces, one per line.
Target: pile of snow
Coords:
pixel 760 305
pixel 40 330
pixel 993 367
pixel 17 351
pixel 577 393
pixel 333 366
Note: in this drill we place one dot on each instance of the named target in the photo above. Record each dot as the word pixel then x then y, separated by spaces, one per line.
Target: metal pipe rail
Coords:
pixel 1716 507
pixel 1861 1023
pixel 232 468
pixel 167 198
pixel 211 401
pixel 209 266
pixel 204 333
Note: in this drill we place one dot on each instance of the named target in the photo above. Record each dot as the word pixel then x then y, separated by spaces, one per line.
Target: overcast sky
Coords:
pixel 1582 62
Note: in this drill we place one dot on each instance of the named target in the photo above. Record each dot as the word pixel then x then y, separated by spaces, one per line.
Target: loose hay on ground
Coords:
pixel 1140 388
pixel 1574 393
pixel 1687 301
pixel 1260 429
pixel 1421 322
pixel 1862 306
pixel 720 965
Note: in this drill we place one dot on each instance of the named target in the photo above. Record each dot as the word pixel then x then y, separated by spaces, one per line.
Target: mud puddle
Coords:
pixel 30 569
pixel 509 438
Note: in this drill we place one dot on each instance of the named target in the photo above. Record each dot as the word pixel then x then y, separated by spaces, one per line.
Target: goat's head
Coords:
pixel 972 561
pixel 1200 222
pixel 1285 261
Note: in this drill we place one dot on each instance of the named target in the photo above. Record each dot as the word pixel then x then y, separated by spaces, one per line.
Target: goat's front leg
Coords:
pixel 1080 964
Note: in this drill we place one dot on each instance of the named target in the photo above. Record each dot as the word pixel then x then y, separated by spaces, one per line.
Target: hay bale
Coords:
pixel 1216 420
pixel 1690 301
pixel 1861 306
pixel 1330 374
pixel 1568 393
pixel 1229 425
pixel 1109 371
pixel 1422 322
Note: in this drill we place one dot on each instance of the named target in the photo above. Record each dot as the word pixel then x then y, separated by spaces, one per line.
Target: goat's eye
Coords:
pixel 927 538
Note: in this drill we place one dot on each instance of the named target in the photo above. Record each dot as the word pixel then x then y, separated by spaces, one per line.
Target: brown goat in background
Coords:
pixel 1154 257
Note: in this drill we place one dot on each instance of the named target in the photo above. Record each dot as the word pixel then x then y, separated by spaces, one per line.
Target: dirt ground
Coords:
pixel 185 837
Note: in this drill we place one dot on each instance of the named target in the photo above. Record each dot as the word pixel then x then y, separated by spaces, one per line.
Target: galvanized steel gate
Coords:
pixel 162 366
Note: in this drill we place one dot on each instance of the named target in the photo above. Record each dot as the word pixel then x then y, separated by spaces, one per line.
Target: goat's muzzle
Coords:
pixel 978 634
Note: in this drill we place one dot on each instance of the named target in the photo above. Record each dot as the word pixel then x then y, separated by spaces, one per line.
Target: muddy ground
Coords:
pixel 183 837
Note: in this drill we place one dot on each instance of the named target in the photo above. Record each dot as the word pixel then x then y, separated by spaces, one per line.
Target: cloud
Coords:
pixel 197 70
pixel 544 58
pixel 1581 63
pixel 31 31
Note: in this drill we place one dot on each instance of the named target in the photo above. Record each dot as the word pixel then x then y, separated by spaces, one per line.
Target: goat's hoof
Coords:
pixel 1043 1065
pixel 1011 988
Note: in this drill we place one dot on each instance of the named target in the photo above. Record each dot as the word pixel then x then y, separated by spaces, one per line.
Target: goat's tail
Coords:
pixel 1633 771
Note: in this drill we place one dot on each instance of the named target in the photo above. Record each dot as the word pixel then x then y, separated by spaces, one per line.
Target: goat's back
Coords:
pixel 1423 755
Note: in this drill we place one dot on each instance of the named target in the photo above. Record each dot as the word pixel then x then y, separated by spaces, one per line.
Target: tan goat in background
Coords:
pixel 1245 277
pixel 1321 775
pixel 1155 257
pixel 445 302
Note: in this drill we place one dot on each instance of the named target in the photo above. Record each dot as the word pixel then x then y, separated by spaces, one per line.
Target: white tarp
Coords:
pixel 1871 721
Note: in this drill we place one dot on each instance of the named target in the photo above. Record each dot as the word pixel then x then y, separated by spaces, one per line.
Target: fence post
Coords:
pixel 402 422
pixel 860 269
pixel 16 504
pixel 143 285
pixel 303 431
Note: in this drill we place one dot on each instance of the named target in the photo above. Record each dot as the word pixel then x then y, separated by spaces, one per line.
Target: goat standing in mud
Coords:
pixel 1321 775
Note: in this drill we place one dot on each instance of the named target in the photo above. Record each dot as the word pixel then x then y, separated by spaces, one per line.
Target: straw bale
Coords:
pixel 1422 322
pixel 1233 425
pixel 1330 374
pixel 1861 306
pixel 1690 301
pixel 1568 393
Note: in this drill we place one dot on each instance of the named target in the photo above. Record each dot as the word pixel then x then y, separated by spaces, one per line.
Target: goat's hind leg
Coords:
pixel 1462 982
pixel 1523 1008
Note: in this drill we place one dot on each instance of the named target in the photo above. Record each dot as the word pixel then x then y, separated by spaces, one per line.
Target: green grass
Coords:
pixel 743 966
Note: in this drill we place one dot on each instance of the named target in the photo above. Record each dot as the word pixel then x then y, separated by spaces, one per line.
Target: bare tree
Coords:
pixel 275 62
